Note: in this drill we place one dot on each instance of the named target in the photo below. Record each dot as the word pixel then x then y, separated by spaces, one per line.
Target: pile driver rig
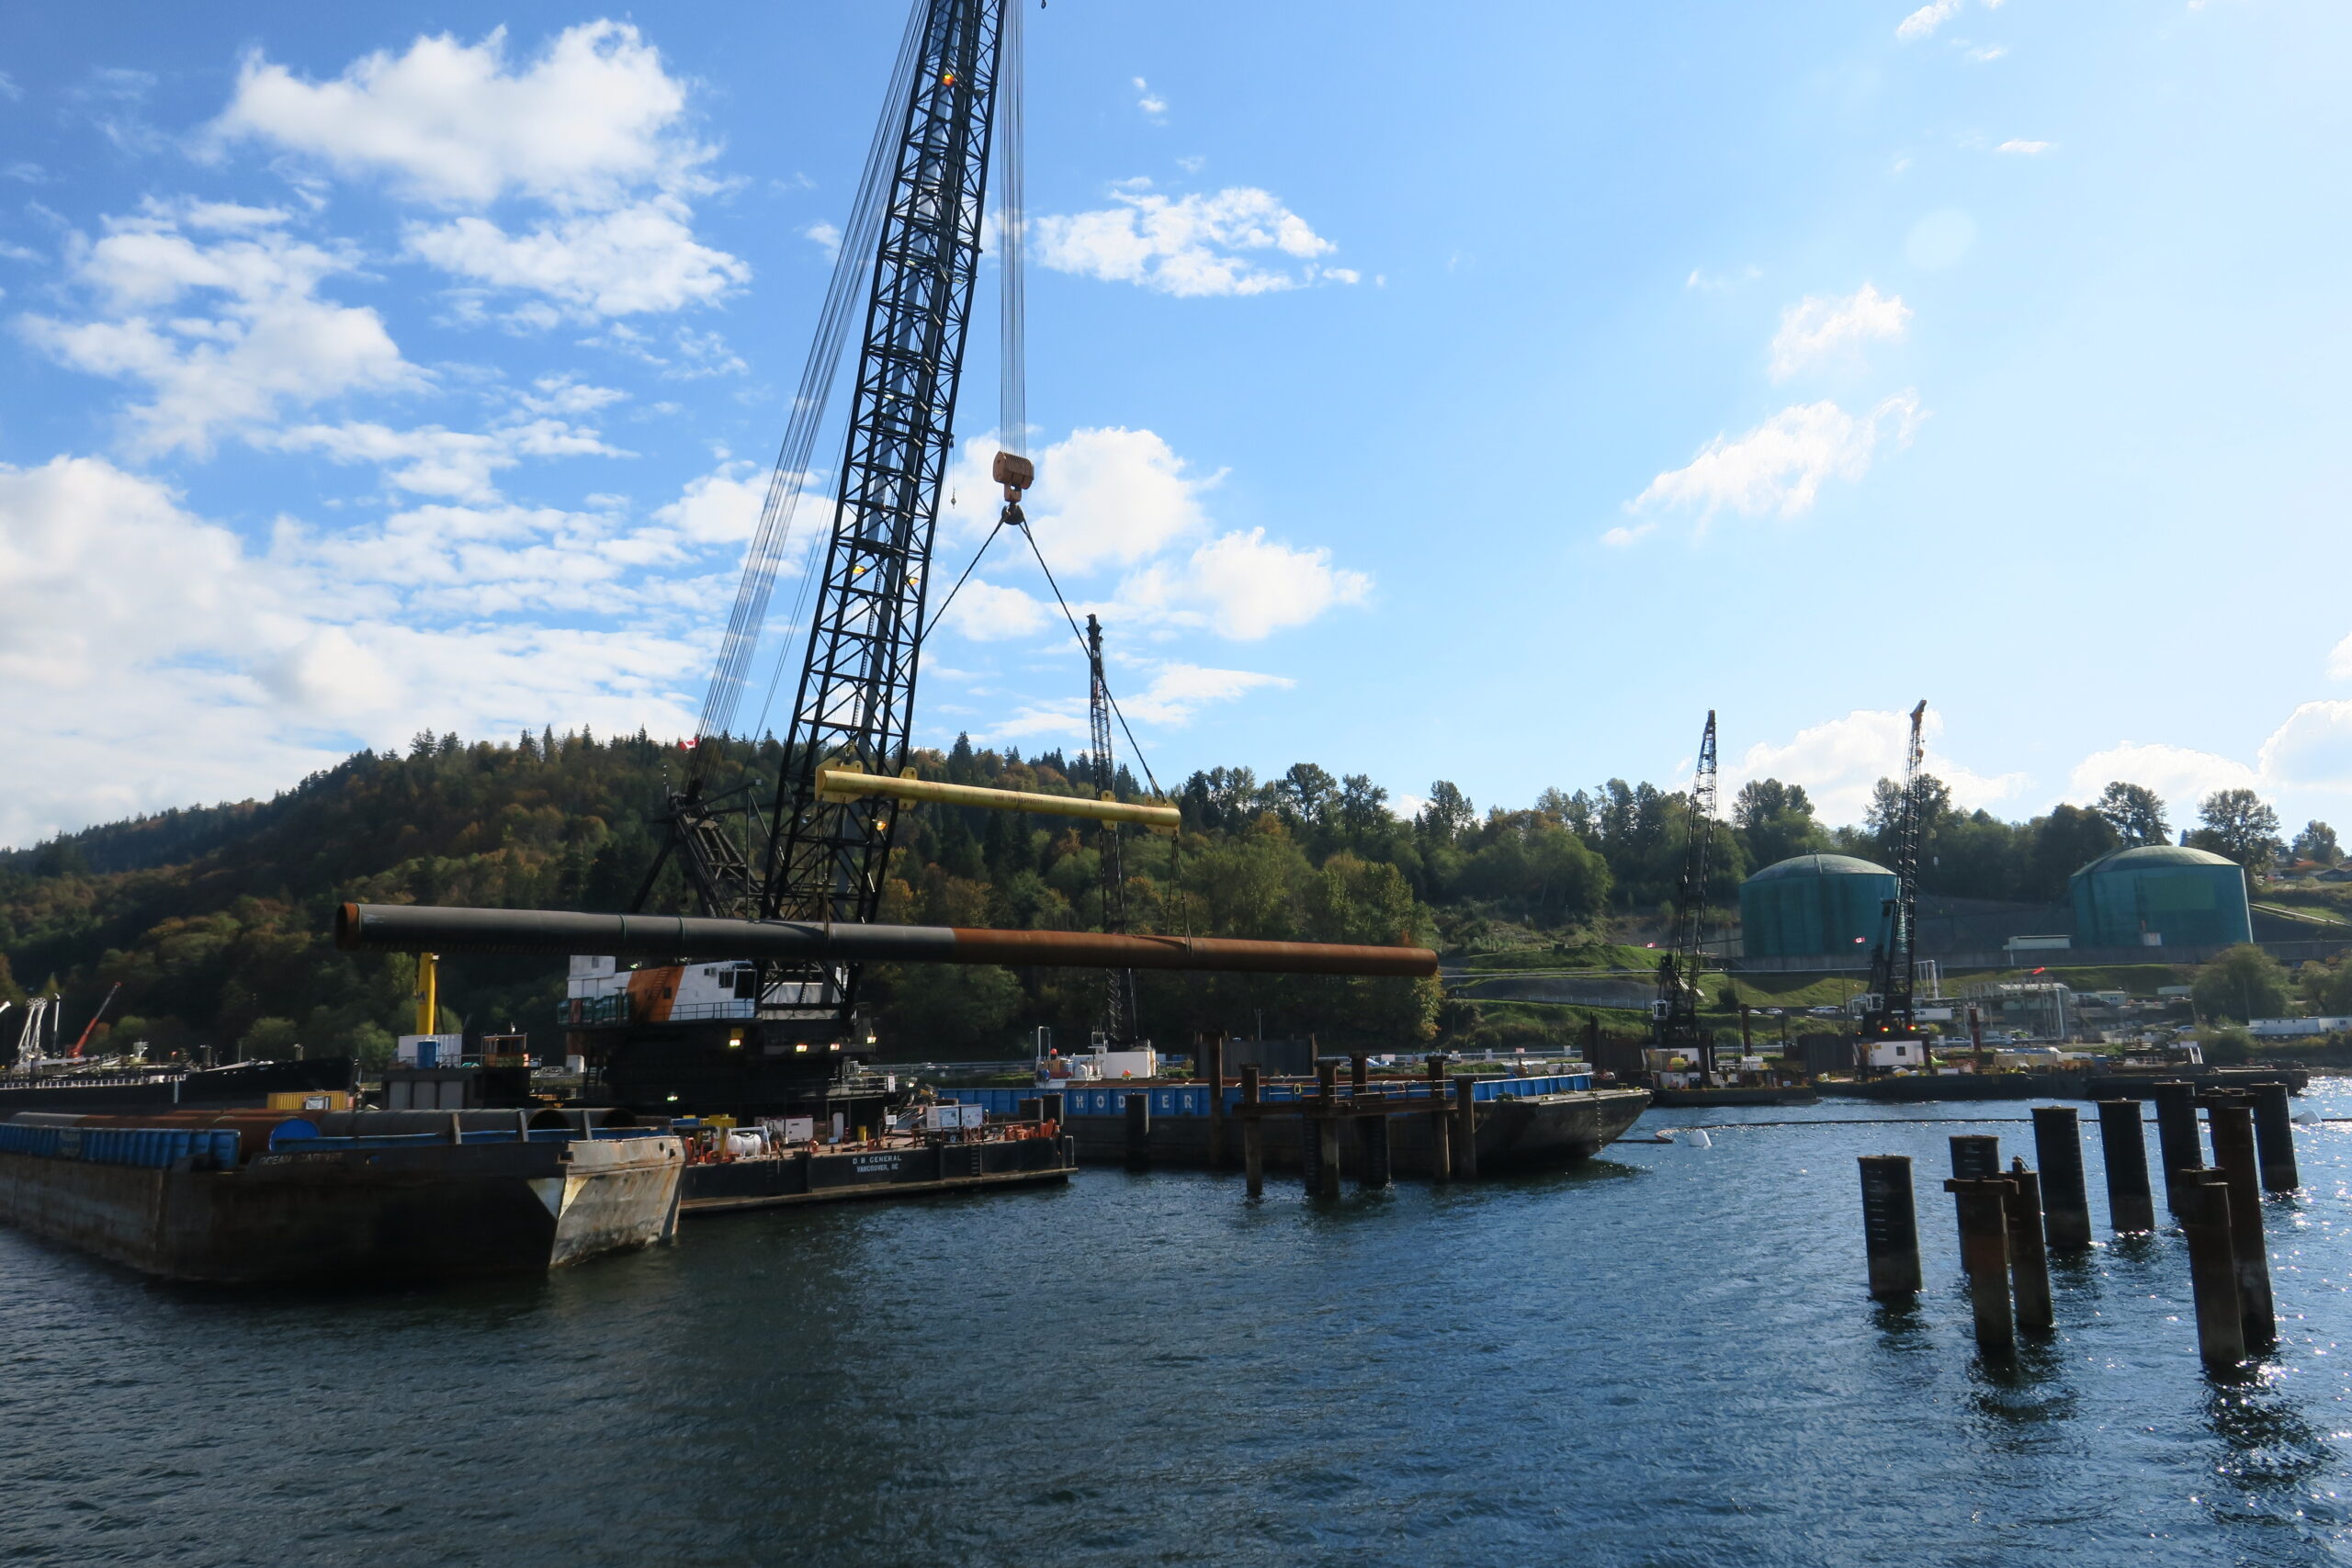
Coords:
pixel 1887 1008
pixel 752 1006
pixel 1674 1016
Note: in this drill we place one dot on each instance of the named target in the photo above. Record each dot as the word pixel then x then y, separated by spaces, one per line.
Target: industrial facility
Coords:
pixel 1812 906
pixel 2160 896
pixel 1828 910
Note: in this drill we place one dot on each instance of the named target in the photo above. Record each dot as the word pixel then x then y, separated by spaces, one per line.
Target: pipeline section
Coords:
pixel 848 783
pixel 419 927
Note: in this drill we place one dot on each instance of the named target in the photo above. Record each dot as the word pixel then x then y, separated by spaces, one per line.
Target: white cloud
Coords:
pixel 827 238
pixel 593 118
pixel 433 461
pixel 2023 148
pixel 1926 18
pixel 2181 775
pixel 1839 762
pixel 2311 750
pixel 1245 586
pixel 177 661
pixel 215 309
pixel 1190 246
pixel 1988 53
pixel 639 258
pixel 1153 106
pixel 1779 466
pixel 987 611
pixel 1176 694
pixel 593 128
pixel 1103 497
pixel 719 508
pixel 1819 328
pixel 2309 753
pixel 1179 691
pixel 1121 499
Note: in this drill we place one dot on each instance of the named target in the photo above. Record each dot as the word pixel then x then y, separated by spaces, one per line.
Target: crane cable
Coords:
pixel 843 296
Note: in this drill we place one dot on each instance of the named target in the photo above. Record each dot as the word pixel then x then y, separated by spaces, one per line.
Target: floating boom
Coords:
pixel 849 784
pixel 414 928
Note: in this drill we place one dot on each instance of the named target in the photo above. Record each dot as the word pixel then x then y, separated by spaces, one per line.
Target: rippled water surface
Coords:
pixel 1663 1358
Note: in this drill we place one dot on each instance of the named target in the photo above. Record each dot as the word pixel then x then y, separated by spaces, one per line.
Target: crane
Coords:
pixel 909 260
pixel 1121 1025
pixel 1886 1013
pixel 91 1028
pixel 757 1011
pixel 1675 1024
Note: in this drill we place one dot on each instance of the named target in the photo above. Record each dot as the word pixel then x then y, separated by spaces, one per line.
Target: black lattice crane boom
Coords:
pixel 1894 961
pixel 1121 1025
pixel 1675 1014
pixel 914 236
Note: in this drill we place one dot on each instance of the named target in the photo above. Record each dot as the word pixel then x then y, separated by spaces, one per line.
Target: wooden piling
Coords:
pixel 2274 1135
pixel 2065 1196
pixel 2029 1261
pixel 1359 1072
pixel 1213 1074
pixel 1982 1202
pixel 2130 1208
pixel 2212 1269
pixel 1138 1131
pixel 1441 1124
pixel 1373 1170
pixel 1465 1127
pixel 2230 1117
pixel 2176 1148
pixel 1975 1156
pixel 1253 1131
pixel 1325 1133
pixel 1890 1227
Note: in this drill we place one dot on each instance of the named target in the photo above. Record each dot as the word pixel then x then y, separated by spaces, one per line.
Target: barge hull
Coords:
pixel 1534 1133
pixel 845 1177
pixel 356 1215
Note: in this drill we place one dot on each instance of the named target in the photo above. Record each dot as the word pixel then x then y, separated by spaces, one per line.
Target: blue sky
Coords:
pixel 1481 394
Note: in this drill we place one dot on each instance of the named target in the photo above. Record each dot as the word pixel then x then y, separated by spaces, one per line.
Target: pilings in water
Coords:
pixel 1213 1072
pixel 2177 1136
pixel 1253 1130
pixel 1982 1202
pixel 2130 1207
pixel 2229 1116
pixel 2274 1135
pixel 2205 1215
pixel 2029 1261
pixel 1975 1156
pixel 1465 1127
pixel 1138 1131
pixel 1890 1227
pixel 1375 1168
pixel 2065 1197
pixel 1323 1171
pixel 1440 1123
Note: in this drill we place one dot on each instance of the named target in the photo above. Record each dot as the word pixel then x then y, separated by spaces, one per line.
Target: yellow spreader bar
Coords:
pixel 848 783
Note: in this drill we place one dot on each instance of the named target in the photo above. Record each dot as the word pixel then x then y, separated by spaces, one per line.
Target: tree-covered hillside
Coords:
pixel 215 920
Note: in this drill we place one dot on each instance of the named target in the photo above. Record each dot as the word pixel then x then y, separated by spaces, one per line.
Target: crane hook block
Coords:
pixel 1015 474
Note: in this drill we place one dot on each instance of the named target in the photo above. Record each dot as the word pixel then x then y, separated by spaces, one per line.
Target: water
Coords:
pixel 1665 1357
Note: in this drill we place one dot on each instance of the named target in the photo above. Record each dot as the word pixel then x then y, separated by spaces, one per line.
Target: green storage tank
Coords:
pixel 1819 906
pixel 2160 896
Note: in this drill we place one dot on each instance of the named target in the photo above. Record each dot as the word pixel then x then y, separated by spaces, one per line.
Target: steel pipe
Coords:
pixel 418 928
pixel 848 783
